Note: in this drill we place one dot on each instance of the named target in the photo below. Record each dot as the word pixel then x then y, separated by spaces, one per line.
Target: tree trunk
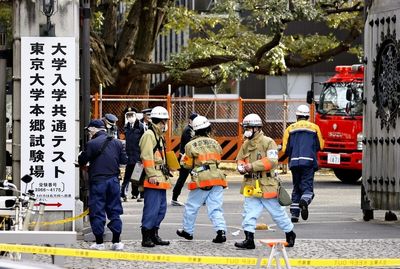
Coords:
pixel 151 19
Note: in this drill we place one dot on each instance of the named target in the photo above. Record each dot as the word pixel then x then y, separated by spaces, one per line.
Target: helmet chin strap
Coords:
pixel 253 131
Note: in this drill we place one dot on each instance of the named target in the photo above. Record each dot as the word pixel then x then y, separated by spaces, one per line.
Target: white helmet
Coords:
pixel 159 112
pixel 200 122
pixel 252 120
pixel 303 110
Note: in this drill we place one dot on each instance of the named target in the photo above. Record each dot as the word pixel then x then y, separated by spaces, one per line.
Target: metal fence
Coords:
pixel 224 114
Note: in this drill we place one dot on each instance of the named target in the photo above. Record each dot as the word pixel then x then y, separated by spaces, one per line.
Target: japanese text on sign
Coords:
pixel 48 94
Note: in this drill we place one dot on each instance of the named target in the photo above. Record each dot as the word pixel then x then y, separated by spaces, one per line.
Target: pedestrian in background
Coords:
pixel 202 155
pixel 110 122
pixel 301 142
pixel 146 118
pixel 256 160
pixel 105 155
pixel 186 136
pixel 156 182
pixel 134 130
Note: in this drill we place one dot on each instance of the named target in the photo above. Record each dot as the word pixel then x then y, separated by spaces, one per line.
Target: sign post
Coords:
pixel 48 95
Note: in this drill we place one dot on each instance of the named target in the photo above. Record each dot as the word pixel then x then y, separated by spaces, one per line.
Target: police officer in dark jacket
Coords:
pixel 104 154
pixel 134 130
pixel 187 135
pixel 146 120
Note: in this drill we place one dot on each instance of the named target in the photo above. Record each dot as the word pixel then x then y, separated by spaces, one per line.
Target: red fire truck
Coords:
pixel 339 116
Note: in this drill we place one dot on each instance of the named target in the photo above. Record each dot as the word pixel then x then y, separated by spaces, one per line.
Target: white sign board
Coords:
pixel 48 119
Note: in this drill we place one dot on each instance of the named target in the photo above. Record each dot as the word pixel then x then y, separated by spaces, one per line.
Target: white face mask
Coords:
pixel 92 131
pixel 131 119
pixel 165 128
pixel 248 133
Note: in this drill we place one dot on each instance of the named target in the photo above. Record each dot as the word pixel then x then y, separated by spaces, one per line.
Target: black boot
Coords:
pixel 184 234
pixel 303 209
pixel 221 238
pixel 248 243
pixel 156 239
pixel 290 238
pixel 146 238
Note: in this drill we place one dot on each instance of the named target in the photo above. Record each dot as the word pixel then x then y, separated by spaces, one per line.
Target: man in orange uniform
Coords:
pixel 256 160
pixel 202 155
pixel 156 182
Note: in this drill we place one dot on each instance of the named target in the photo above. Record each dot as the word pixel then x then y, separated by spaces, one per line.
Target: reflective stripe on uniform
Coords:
pixel 269 195
pixel 209 156
pixel 159 185
pixel 207 183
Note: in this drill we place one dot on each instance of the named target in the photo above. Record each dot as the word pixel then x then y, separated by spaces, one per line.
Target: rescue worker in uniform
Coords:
pixel 133 132
pixel 186 136
pixel 156 182
pixel 301 142
pixel 202 155
pixel 256 160
pixel 105 154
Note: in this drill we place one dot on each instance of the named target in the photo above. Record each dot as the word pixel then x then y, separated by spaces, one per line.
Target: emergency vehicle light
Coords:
pixel 343 68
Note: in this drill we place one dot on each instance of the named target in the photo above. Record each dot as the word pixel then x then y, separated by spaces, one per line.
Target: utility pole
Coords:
pixel 84 112
pixel 3 67
pixel 85 69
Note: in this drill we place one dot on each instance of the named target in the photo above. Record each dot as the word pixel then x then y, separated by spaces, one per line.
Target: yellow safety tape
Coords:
pixel 145 257
pixel 46 223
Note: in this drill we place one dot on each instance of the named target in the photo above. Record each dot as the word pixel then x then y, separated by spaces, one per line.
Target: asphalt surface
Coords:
pixel 335 230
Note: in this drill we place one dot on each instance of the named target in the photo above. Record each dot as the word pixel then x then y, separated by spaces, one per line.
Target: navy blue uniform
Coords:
pixel 301 142
pixel 132 138
pixel 104 183
pixel 187 135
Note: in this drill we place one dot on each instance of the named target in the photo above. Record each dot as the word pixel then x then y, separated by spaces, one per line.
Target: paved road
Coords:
pixel 335 229
pixel 334 214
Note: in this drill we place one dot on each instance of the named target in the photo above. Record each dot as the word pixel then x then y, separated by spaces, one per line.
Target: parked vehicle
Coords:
pixel 339 116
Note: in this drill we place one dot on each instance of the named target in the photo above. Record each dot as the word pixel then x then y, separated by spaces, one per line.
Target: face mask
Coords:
pixel 92 131
pixel 248 133
pixel 165 128
pixel 131 119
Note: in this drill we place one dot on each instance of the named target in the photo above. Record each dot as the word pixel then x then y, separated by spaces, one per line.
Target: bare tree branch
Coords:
pixel 267 47
pixel 356 8
pixel 211 61
pixel 192 77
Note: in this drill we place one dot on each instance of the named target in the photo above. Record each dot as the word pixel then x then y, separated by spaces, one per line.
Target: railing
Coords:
pixel 225 115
